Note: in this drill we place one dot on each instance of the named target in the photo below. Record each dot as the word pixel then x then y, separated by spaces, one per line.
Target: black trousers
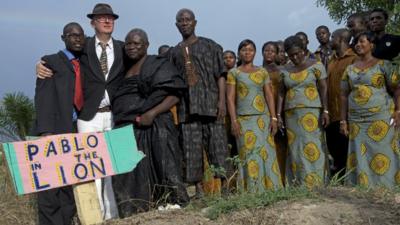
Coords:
pixel 338 147
pixel 56 206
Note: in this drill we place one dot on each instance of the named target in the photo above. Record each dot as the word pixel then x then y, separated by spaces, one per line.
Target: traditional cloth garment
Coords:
pixel 202 63
pixel 373 158
pixel 259 169
pixel 337 143
pixel 306 163
pixel 323 55
pixel 280 138
pixel 159 173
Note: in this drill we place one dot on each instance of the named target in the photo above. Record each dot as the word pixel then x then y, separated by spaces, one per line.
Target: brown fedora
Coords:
pixel 102 9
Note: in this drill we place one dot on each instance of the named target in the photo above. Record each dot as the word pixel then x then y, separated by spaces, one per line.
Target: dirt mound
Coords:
pixel 332 206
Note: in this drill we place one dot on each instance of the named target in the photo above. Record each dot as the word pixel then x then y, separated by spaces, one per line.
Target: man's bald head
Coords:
pixel 340 38
pixel 344 34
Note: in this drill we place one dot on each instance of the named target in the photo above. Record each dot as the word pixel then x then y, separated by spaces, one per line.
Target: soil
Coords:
pixel 332 206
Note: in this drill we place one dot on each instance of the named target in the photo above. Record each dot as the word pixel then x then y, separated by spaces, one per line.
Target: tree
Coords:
pixel 339 10
pixel 17 113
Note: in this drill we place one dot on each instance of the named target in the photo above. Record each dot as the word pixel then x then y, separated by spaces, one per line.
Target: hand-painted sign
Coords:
pixel 60 160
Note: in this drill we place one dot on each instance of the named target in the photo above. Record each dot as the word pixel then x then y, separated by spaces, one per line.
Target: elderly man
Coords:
pixel 150 87
pixel 202 108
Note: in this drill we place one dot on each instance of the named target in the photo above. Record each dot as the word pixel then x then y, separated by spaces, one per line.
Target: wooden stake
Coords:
pixel 87 203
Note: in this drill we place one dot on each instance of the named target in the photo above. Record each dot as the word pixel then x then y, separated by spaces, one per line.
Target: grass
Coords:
pixel 216 206
pixel 14 209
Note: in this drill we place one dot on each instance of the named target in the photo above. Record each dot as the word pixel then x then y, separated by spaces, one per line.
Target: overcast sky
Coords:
pixel 31 29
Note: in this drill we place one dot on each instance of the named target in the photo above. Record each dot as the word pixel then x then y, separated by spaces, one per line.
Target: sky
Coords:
pixel 32 29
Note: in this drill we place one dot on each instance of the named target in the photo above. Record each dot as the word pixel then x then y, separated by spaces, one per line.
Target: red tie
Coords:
pixel 78 95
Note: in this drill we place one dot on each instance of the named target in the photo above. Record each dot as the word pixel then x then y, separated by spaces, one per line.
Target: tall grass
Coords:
pixel 14 209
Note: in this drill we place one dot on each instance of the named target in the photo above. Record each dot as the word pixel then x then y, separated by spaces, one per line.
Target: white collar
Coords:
pixel 109 43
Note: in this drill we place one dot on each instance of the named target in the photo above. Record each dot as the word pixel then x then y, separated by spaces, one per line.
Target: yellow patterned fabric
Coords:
pixel 249 90
pixel 258 170
pixel 257 153
pixel 301 87
pixel 306 162
pixel 373 154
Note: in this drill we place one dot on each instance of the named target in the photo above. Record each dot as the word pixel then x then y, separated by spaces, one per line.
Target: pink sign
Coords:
pixel 60 160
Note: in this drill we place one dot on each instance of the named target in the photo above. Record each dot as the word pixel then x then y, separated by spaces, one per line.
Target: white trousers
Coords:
pixel 102 121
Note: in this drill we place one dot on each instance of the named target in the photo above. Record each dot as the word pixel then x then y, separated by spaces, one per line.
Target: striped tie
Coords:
pixel 103 58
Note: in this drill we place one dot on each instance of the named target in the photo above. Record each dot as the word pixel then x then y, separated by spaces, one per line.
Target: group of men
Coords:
pixel 76 86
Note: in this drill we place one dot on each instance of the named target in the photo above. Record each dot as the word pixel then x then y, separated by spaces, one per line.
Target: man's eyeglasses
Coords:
pixel 104 19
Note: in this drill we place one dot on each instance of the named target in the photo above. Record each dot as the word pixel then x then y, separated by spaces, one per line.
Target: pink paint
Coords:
pixel 61 160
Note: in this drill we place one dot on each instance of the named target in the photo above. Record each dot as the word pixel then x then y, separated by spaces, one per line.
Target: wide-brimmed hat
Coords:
pixel 102 9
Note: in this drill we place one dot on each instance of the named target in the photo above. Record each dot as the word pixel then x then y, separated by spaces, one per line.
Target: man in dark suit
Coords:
pixel 102 66
pixel 58 100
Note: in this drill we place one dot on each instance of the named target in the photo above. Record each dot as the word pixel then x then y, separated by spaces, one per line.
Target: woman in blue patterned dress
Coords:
pixel 253 123
pixel 369 119
pixel 303 92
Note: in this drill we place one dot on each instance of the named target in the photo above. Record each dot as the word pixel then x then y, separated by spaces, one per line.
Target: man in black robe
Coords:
pixel 202 109
pixel 151 86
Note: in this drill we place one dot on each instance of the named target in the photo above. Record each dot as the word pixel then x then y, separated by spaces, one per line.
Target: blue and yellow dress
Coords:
pixel 373 156
pixel 259 168
pixel 306 163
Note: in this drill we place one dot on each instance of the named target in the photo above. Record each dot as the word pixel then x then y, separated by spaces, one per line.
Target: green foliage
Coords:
pixel 17 112
pixel 339 10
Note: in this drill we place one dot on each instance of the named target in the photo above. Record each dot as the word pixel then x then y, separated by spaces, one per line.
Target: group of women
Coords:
pixel 278 113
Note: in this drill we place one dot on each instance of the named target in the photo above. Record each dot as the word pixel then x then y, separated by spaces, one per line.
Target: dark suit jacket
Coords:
pixel 54 97
pixel 94 80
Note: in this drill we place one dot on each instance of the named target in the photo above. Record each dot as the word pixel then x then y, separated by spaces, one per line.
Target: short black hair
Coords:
pixel 379 10
pixel 322 27
pixel 68 26
pixel 229 51
pixel 369 35
pixel 291 42
pixel 246 42
pixel 161 47
pixel 184 10
pixel 302 33
pixel 273 43
pixel 360 15
pixel 139 32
